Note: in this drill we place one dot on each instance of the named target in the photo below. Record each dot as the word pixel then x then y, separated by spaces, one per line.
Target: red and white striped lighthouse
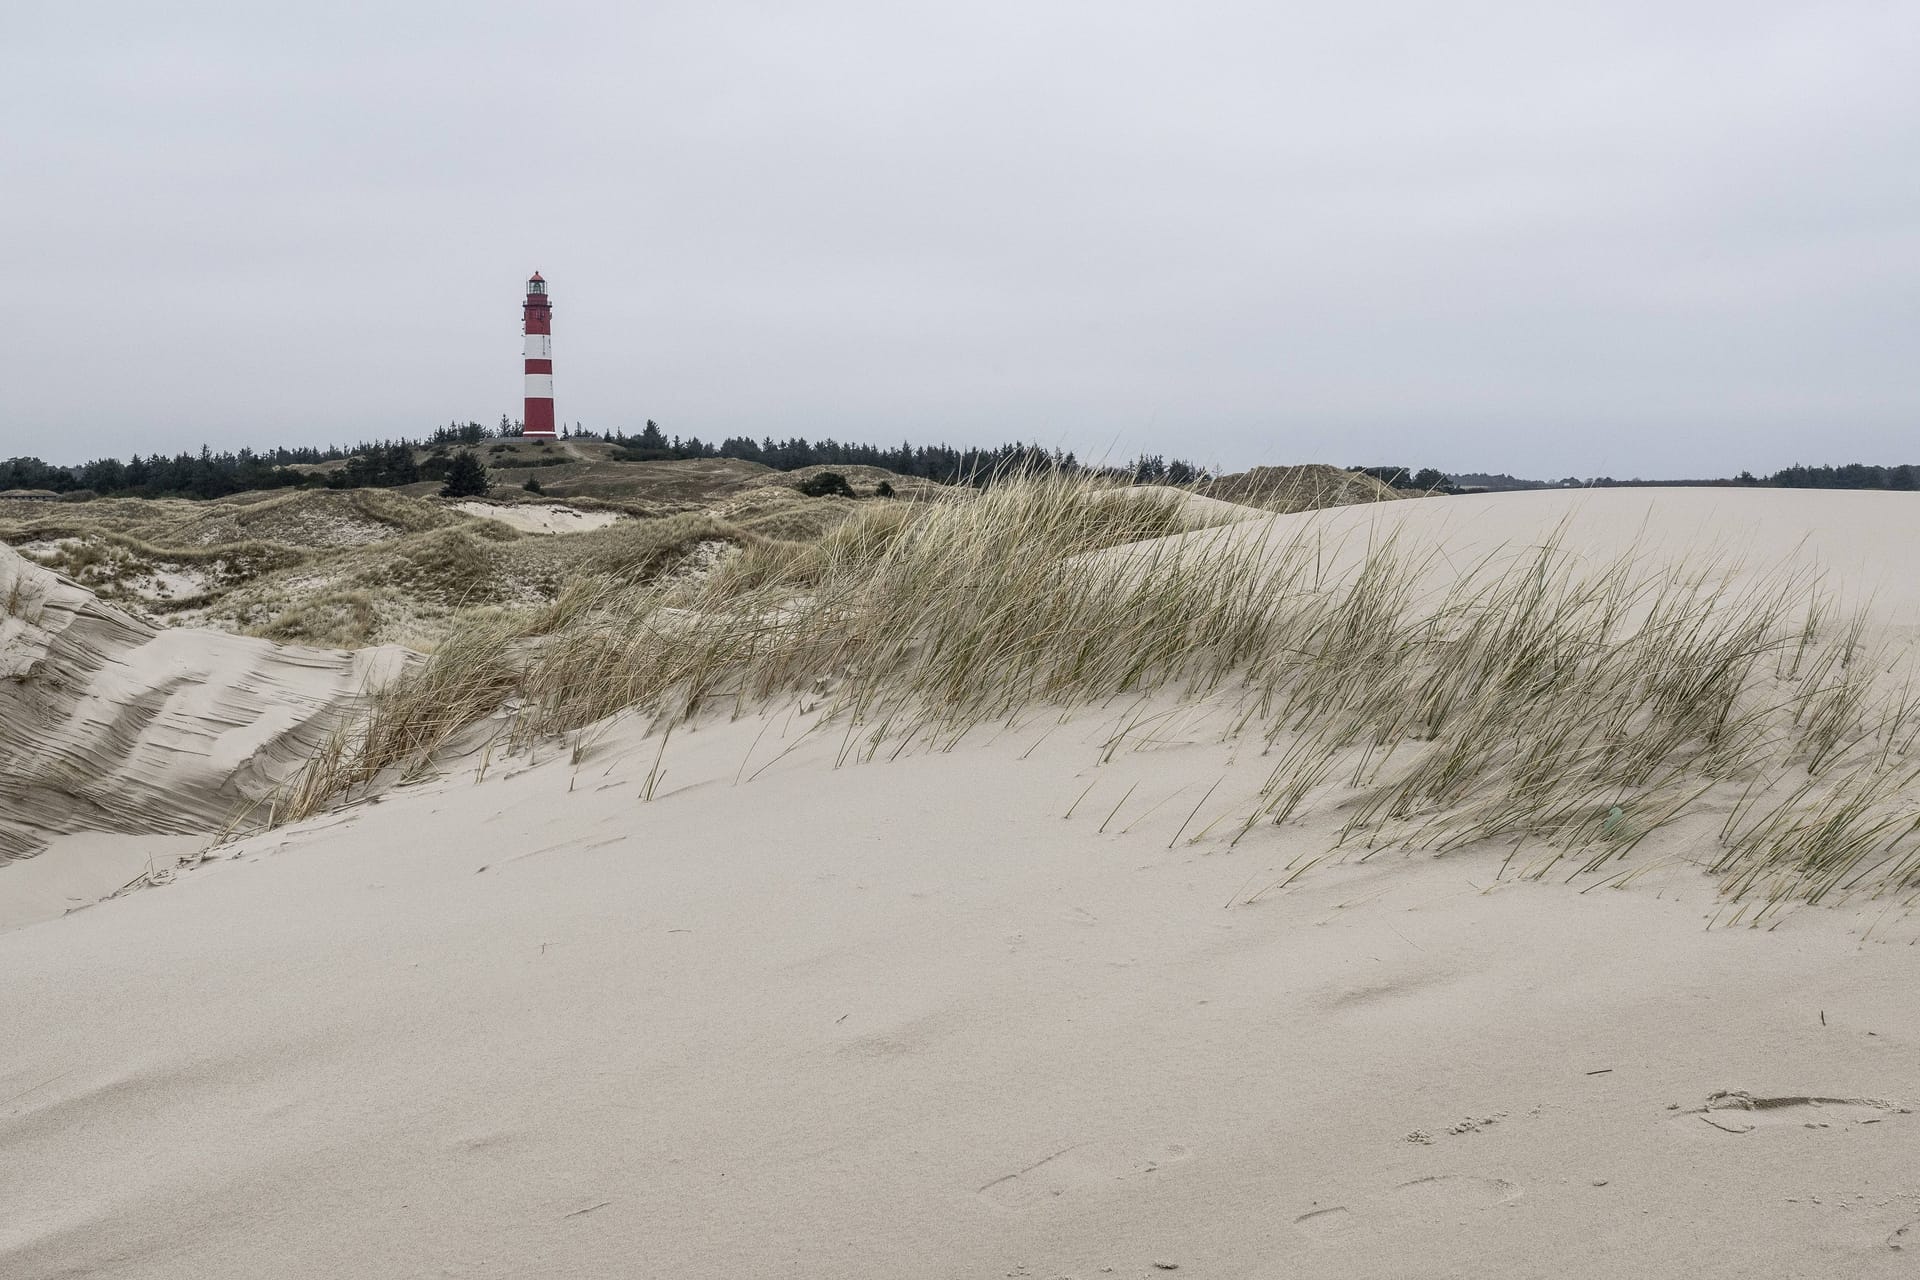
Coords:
pixel 538 324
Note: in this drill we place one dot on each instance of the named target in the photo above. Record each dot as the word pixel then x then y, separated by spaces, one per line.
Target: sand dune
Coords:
pixel 1858 544
pixel 902 1019
pixel 111 725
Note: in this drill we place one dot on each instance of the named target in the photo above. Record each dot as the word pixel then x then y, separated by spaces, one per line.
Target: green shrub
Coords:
pixel 825 483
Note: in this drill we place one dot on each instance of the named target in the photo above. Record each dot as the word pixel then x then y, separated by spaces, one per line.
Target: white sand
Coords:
pixel 77 869
pixel 900 1019
pixel 164 585
pixel 529 517
pixel 1861 542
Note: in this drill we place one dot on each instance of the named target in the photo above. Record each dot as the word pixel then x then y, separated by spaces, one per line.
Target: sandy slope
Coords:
pixel 901 1019
pixel 111 725
pixel 1858 546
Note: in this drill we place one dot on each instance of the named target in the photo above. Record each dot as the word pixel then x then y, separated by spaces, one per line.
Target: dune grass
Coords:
pixel 88 554
pixel 1561 708
pixel 637 550
pixel 18 599
pixel 334 618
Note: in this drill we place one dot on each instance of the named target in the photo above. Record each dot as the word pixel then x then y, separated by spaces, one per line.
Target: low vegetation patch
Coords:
pixel 636 551
pixel 340 618
pixel 1300 488
pixel 825 484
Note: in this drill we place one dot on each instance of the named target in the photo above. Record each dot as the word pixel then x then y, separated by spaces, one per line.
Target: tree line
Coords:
pixel 392 463
pixel 1852 475
pixel 1426 479
pixel 939 462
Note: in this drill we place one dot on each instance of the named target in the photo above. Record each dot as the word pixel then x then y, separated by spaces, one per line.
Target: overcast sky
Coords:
pixel 1626 238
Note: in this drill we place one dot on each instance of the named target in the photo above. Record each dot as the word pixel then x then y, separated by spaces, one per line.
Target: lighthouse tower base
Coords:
pixel 538 421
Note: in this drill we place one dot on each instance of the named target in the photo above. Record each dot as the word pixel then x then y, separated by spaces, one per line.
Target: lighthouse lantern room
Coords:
pixel 537 323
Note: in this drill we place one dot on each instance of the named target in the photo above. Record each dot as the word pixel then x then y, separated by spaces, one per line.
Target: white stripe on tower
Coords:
pixel 539 346
pixel 539 386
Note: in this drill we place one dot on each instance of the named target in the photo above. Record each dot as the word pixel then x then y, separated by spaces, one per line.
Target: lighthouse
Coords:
pixel 537 322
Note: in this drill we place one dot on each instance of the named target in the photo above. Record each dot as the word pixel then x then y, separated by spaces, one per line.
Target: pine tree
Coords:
pixel 467 477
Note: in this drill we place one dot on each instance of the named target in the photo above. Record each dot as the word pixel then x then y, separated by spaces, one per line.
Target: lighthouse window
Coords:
pixel 536 286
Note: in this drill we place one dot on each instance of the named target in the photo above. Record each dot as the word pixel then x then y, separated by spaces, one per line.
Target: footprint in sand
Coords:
pixel 1736 1111
pixel 1084 1165
pixel 1418 1203
pixel 1451 1192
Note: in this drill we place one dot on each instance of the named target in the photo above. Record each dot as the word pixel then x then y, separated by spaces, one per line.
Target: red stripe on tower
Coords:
pixel 537 323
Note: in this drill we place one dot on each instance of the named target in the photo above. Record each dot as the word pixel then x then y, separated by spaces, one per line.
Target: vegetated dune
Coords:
pixel 666 486
pixel 172 561
pixel 1025 943
pixel 356 567
pixel 1305 487
pixel 597 470
pixel 109 725
pixel 346 568
pixel 782 512
pixel 310 518
pixel 862 480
